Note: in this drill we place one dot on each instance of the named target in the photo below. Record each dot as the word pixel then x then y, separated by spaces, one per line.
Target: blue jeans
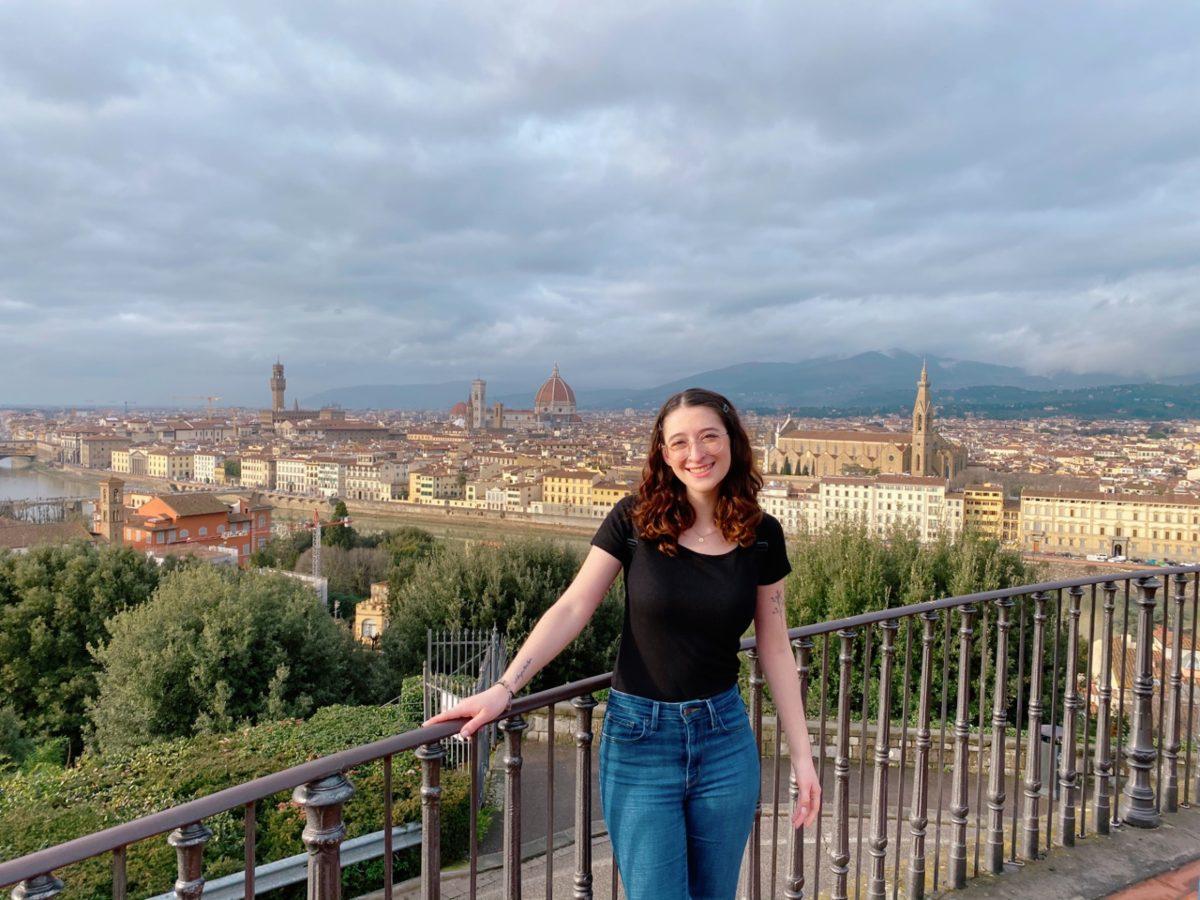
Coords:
pixel 679 784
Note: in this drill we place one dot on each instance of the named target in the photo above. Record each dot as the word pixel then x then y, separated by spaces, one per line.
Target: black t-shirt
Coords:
pixel 685 615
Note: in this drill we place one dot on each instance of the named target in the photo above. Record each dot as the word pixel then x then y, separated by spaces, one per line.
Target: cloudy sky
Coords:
pixel 426 191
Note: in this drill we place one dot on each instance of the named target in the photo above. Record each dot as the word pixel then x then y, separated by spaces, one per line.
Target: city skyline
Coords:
pixel 424 195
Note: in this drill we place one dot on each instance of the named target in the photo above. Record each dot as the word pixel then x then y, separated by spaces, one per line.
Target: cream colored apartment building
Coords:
pixel 794 505
pixel 569 487
pixel 166 463
pixel 1129 525
pixel 884 502
pixel 258 471
pixel 434 486
pixel 291 474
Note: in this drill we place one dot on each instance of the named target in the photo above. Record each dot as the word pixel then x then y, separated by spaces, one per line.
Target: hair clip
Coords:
pixel 724 407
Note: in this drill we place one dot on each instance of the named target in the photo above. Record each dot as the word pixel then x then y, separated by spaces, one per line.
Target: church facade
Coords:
pixel 871 451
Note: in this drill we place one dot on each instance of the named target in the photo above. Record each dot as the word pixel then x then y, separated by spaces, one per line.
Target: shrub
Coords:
pixel 215 649
pixel 45 807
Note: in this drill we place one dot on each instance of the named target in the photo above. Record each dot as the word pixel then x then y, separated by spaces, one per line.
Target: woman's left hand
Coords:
pixel 808 801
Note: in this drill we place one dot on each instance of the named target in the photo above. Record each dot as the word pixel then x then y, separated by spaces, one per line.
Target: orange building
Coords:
pixel 199 519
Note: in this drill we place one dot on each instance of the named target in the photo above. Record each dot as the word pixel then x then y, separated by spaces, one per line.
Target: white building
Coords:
pixel 883 502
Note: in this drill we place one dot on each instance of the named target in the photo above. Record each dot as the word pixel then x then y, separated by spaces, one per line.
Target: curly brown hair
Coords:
pixel 662 511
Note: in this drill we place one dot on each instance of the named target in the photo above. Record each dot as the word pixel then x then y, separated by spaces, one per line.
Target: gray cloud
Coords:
pixel 426 191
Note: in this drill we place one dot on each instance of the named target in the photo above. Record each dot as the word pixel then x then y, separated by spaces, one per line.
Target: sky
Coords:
pixel 395 193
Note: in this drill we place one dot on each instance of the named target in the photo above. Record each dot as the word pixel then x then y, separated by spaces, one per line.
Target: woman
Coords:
pixel 679 770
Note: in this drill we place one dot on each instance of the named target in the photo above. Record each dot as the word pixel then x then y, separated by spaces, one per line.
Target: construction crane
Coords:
pixel 208 400
pixel 316 525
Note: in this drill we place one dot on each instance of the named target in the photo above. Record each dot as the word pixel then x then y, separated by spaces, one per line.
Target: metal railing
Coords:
pixel 1117 710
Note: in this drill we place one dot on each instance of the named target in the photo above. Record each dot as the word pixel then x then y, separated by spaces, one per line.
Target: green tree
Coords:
pixel 14 746
pixel 339 535
pixel 214 649
pixel 508 587
pixel 787 466
pixel 233 468
pixel 282 552
pixel 54 603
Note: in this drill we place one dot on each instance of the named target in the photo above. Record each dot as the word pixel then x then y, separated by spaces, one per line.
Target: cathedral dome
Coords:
pixel 554 393
pixel 458 410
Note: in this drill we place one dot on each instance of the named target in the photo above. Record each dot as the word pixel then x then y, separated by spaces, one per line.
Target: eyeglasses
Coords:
pixel 709 442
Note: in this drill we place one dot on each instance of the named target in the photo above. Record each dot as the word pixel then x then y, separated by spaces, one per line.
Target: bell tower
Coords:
pixel 110 510
pixel 922 426
pixel 278 385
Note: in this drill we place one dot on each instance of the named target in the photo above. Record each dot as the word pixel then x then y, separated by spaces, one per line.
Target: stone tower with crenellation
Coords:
pixel 278 385
pixel 476 406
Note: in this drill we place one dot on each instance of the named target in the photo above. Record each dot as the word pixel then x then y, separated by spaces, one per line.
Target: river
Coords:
pixel 25 483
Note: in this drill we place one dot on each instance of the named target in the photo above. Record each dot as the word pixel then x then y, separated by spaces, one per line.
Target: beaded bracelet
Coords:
pixel 511 695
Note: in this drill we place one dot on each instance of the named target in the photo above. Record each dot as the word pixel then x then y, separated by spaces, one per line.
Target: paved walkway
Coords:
pixel 1098 865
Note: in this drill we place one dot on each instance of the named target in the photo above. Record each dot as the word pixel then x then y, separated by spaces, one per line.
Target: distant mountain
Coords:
pixel 876 378
pixel 879 381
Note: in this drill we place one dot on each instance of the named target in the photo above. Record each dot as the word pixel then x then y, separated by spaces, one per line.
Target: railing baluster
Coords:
pixel 250 841
pixel 841 770
pixel 1120 756
pixel 431 757
pixel 324 831
pixel 904 707
pixel 1086 757
pixel 40 887
pixel 1033 759
pixel 1171 748
pixel 1051 778
pixel 983 686
pixel 189 842
pixel 996 795
pixel 387 823
pixel 1187 763
pixel 1104 762
pixel 754 851
pixel 550 802
pixel 794 888
pixel 1068 774
pixel 862 762
pixel 920 801
pixel 120 877
pixel 513 728
pixel 583 797
pixel 937 838
pixel 1159 731
pixel 877 885
pixel 822 738
pixel 1139 795
pixel 962 733
pixel 1018 796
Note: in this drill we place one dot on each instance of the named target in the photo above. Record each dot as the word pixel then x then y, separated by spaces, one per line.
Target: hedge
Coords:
pixel 48 805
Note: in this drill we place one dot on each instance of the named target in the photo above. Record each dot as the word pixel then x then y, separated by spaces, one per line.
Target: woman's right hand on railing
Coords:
pixel 478 708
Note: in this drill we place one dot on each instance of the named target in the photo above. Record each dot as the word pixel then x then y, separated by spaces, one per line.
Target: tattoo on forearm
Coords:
pixel 524 668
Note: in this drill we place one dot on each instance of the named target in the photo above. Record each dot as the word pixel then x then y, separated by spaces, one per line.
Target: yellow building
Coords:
pixel 569 487
pixel 258 471
pixel 168 463
pixel 434 486
pixel 607 493
pixel 1126 525
pixel 370 615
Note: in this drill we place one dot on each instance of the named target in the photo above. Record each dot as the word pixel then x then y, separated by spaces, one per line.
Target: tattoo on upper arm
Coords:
pixel 777 604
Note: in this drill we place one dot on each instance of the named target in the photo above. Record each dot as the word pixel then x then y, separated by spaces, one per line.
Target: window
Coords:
pixel 203 532
pixel 183 534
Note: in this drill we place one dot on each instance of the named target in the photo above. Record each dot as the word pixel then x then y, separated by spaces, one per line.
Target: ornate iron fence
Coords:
pixel 1113 710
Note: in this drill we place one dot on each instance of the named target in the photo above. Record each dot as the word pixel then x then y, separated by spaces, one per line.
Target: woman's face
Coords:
pixel 696 447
